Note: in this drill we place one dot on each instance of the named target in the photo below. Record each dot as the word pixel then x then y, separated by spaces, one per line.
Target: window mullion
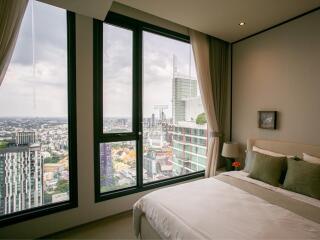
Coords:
pixel 138 65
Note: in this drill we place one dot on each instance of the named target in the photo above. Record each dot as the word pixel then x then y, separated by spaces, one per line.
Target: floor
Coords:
pixel 115 227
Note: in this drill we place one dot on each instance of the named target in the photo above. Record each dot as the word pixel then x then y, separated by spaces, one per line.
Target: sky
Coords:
pixel 40 90
pixel 42 93
pixel 158 52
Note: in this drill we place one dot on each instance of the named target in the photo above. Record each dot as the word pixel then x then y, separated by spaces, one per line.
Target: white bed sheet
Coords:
pixel 206 209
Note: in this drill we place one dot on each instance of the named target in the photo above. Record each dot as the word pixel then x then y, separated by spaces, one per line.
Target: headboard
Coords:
pixel 286 148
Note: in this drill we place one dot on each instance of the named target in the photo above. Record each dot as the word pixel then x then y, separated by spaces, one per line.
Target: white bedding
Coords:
pixel 203 209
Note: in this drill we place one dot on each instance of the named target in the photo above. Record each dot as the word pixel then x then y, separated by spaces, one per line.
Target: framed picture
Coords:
pixel 267 119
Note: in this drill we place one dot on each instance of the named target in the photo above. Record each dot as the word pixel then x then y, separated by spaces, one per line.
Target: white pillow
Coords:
pixel 267 152
pixel 311 159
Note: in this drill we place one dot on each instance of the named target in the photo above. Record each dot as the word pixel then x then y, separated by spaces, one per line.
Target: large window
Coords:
pixel 37 124
pixel 150 128
pixel 171 106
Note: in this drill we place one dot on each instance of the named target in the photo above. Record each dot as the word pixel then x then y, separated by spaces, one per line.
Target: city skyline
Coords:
pixel 34 163
pixel 23 95
pixel 34 108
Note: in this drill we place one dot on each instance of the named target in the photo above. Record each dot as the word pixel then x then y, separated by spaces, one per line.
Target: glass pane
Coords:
pixel 117 165
pixel 34 159
pixel 174 126
pixel 117 79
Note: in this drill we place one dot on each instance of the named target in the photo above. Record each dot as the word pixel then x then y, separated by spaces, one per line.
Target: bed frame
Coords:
pixel 287 148
pixel 146 230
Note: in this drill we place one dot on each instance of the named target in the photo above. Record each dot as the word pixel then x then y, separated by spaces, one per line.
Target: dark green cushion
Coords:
pixel 267 168
pixel 303 177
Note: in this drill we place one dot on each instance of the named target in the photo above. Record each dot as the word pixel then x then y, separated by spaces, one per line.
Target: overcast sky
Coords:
pixel 158 55
pixel 43 93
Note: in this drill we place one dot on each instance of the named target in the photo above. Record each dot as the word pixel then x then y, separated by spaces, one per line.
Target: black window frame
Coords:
pixel 137 27
pixel 44 210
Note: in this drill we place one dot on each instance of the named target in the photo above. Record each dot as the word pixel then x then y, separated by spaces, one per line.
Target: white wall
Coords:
pixel 97 9
pixel 279 70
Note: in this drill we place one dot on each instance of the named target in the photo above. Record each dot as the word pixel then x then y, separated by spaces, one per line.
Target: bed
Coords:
pixel 230 206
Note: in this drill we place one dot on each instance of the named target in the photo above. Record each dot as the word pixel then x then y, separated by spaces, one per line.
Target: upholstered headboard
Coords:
pixel 286 148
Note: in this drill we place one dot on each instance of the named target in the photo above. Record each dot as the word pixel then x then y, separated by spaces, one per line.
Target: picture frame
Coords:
pixel 267 119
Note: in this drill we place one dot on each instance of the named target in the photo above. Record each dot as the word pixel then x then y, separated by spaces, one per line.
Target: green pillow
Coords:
pixel 303 177
pixel 267 168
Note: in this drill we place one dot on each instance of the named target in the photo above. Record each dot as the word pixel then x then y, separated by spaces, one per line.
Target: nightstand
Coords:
pixel 220 170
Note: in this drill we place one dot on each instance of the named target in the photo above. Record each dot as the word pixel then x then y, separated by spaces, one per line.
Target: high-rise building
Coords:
pixel 21 182
pixel 189 147
pixel 25 138
pixel 153 120
pixel 189 139
pixel 182 88
pixel 157 164
pixel 106 165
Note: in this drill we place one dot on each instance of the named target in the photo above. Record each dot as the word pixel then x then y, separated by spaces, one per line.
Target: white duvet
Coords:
pixel 206 209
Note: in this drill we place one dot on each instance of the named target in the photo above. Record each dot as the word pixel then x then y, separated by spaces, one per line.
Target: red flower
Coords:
pixel 236 164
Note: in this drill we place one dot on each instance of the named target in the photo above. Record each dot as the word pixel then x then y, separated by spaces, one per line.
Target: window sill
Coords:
pixel 147 186
pixel 32 213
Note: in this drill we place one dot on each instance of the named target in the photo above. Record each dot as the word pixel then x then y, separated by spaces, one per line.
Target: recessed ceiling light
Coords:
pixel 242 23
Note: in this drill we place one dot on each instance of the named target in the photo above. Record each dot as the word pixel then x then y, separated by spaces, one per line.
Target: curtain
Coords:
pixel 211 61
pixel 11 15
pixel 218 52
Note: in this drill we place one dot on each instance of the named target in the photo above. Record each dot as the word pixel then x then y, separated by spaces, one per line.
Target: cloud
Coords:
pixel 49 31
pixel 45 94
pixel 158 70
pixel 158 54
pixel 21 95
pixel 41 91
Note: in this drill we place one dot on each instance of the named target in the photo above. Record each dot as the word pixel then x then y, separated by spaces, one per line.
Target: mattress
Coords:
pixel 231 206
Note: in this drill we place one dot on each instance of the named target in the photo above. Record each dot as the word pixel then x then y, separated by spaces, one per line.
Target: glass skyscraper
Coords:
pixel 189 139
pixel 21 174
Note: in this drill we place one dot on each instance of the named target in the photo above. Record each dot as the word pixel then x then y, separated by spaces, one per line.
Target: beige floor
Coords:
pixel 115 227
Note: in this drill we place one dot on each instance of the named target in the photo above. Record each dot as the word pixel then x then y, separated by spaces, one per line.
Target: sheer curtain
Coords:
pixel 11 15
pixel 211 65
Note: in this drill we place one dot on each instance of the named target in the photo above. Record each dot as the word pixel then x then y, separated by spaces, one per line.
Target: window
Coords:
pixel 37 118
pixel 169 113
pixel 117 79
pixel 146 107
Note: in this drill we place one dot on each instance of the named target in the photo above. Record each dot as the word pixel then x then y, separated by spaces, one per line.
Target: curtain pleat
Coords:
pixel 11 15
pixel 211 59
pixel 218 52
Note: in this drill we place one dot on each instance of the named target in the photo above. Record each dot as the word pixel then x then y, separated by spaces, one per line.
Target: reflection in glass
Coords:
pixel 117 165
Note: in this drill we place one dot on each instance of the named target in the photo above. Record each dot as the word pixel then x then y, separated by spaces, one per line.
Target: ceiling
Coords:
pixel 96 8
pixel 220 18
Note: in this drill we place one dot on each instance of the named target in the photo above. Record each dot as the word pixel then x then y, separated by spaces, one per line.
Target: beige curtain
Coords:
pixel 213 96
pixel 11 15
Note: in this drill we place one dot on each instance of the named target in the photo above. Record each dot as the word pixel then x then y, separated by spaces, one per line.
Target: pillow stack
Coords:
pixel 301 176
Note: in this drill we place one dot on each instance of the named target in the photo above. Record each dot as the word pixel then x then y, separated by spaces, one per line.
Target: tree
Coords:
pixel 62 186
pixel 3 144
pixel 53 159
pixel 201 119
pixel 47 198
